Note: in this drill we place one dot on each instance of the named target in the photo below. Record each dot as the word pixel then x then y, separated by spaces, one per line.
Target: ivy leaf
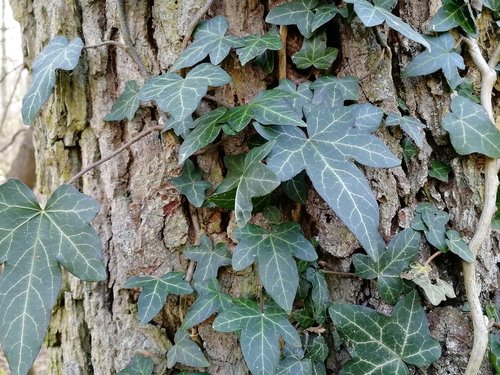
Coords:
pixel 251 179
pixel 210 39
pixel 470 129
pixel 181 128
pixel 155 291
pixel 410 125
pixel 295 12
pixel 441 56
pixel 34 243
pixel 439 170
pixel 302 94
pixel 294 366
pixel 265 61
pixel 191 185
pixel 256 45
pixel 319 294
pixel 318 368
pixel 315 53
pixel 436 290
pixel 326 154
pixel 206 129
pixel 58 54
pixel 317 348
pixel 368 116
pixel 208 259
pixel 454 13
pixel 274 252
pixel 325 13
pixel 139 365
pixel 296 188
pixel 434 221
pixel 181 96
pixel 185 351
pixel 332 91
pixel 383 344
pixel 260 333
pixel 209 301
pixel 375 14
pixel 458 246
pixel 401 251
pixel 494 5
pixel 126 105
pixel 494 355
pixel 410 150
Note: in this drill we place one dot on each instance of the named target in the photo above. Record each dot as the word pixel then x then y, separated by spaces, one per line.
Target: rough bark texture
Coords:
pixel 95 329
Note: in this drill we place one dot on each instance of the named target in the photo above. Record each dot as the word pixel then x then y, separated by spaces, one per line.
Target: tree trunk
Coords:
pixel 95 328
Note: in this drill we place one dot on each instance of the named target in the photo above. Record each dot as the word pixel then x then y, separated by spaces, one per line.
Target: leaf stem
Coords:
pixel 137 138
pixel 197 17
pixel 338 273
pixel 432 257
pixel 282 53
pixel 480 322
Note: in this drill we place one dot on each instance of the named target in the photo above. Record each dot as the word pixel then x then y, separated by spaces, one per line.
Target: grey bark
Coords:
pixel 95 328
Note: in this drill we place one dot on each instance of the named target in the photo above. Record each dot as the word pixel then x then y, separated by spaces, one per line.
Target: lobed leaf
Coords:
pixel 439 170
pixel 191 185
pixel 139 365
pixel 256 45
pixel 332 91
pixel 294 366
pixel 34 243
pixel 315 53
pixel 58 54
pixel 325 13
pixel 295 12
pixel 126 105
pixel 185 351
pixel 458 246
pixel 155 292
pixel 410 125
pixel 452 14
pixel 384 344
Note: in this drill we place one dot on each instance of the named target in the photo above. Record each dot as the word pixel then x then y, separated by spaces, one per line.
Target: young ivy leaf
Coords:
pixel 317 348
pixel 126 105
pixel 139 365
pixel 332 91
pixel 295 12
pixel 432 222
pixel 256 45
pixel 208 259
pixel 410 125
pixel 319 295
pixel 274 253
pixel 458 246
pixel 326 154
pixel 325 13
pixel 441 56
pixel 191 185
pixel 210 39
pixel 58 54
pixel 383 344
pixel 185 351
pixel 206 128
pixel 155 291
pixel 294 366
pixel 260 333
pixel 401 251
pixel 181 96
pixel 380 11
pixel 439 170
pixel 471 130
pixel 435 290
pixel 210 300
pixel 296 188
pixel 314 52
pixel 454 13
pixel 34 243
pixel 251 179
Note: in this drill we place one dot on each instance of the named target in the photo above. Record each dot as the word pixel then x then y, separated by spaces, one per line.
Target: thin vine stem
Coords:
pixel 432 257
pixel 479 321
pixel 125 146
pixel 192 26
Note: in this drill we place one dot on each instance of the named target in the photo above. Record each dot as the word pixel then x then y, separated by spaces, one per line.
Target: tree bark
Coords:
pixel 95 328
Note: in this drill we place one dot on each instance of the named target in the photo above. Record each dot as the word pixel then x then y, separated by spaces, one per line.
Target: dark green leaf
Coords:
pixel 441 56
pixel 294 366
pixel 210 300
pixel 304 317
pixel 409 150
pixel 139 365
pixel 58 54
pixel 494 355
pixel 434 221
pixel 458 246
pixel 316 348
pixel 327 157
pixel 454 13
pixel 34 243
pixel 181 96
pixel 252 179
pixel 260 334
pixel 295 12
pixel 315 53
pixel 465 88
pixel 255 45
pixel 401 251
pixel 296 188
pixel 208 259
pixel 265 61
pixel 470 129
pixel 383 344
pixel 181 128
pixel 185 351
pixel 206 129
pixel 191 185
pixel 155 291
pixel 376 14
pixel 410 125
pixel 209 40
pixel 274 252
pixel 126 105
pixel 332 91
pixel 272 214
pixel 319 295
pixel 439 170
pixel 318 368
pixel 325 13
